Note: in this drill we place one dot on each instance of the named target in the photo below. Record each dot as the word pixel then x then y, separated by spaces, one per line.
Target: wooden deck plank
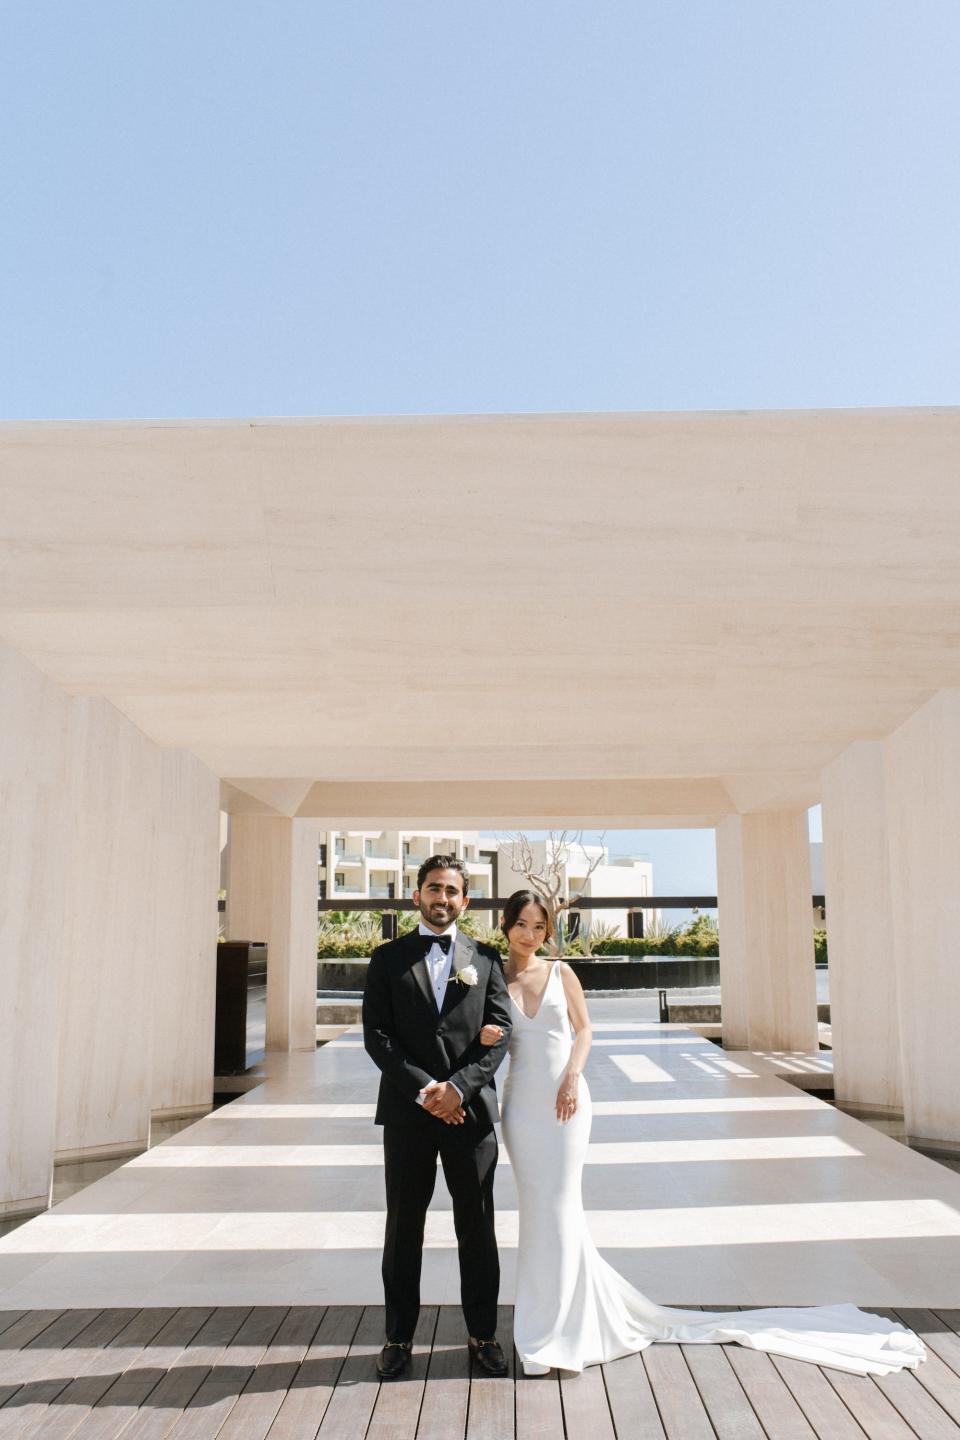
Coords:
pixel 443 1414
pixel 220 1390
pixel 938 1335
pixel 269 1373
pixel 949 1317
pixel 724 1398
pixel 492 1411
pixel 396 1413
pixel 55 1367
pixel 355 1394
pixel 936 1374
pixel 728 1408
pixel 925 1416
pixel 631 1399
pixel 922 1413
pixel 26 1361
pixel 18 1336
pixel 303 1406
pixel 681 1409
pixel 118 1405
pixel 165 1403
pixel 100 1368
pixel 869 1406
pixel 586 1409
pixel 256 1409
pixel 539 1412
pixel 773 1404
pixel 827 1414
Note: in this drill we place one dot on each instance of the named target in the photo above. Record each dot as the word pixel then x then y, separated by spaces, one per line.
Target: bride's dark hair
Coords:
pixel 515 903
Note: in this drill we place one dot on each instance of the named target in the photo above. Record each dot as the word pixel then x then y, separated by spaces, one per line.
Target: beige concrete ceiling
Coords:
pixel 415 619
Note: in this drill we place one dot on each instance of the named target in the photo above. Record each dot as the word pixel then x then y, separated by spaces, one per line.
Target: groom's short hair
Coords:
pixel 444 862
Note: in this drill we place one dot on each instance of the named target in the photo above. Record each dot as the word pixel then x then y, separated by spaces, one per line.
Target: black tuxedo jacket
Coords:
pixel 413 1043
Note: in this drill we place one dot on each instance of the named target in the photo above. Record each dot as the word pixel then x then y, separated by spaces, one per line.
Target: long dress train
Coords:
pixel 572 1308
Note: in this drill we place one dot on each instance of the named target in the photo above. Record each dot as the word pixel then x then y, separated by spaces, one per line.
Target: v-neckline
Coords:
pixel 543 994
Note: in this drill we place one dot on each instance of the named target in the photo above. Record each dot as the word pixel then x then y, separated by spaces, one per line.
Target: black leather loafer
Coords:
pixel 488 1354
pixel 394 1359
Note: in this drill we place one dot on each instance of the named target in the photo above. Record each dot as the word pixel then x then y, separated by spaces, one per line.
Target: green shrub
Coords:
pixel 700 936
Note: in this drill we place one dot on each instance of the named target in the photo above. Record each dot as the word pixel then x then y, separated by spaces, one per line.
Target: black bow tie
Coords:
pixel 444 941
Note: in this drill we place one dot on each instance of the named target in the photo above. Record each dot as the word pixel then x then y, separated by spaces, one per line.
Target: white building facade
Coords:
pixel 383 864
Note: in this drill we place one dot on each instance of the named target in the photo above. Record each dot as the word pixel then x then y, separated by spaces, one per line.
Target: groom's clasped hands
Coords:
pixel 442 1100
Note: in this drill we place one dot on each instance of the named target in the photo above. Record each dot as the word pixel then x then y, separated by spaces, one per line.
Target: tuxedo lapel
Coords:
pixel 464 953
pixel 420 970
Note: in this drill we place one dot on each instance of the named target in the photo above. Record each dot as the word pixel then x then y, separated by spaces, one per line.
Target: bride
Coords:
pixel 572 1308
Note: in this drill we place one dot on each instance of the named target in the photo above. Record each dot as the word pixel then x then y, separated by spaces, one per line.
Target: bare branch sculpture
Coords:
pixel 548 881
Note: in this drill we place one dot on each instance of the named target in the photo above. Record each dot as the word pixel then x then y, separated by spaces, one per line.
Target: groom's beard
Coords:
pixel 439 915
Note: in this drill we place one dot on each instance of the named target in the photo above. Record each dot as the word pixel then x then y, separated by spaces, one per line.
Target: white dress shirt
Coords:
pixel 440 968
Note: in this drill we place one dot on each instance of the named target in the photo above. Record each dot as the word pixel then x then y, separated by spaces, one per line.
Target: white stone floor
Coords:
pixel 710 1180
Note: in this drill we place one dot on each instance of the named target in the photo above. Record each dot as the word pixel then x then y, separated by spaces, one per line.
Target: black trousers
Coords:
pixel 410 1164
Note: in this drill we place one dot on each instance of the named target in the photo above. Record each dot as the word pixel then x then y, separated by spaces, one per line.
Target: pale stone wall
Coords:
pixel 34 719
pixel 108 874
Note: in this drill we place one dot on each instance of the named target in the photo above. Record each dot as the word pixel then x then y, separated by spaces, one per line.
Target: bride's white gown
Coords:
pixel 572 1308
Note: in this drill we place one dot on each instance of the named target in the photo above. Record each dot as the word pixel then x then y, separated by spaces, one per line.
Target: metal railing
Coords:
pixel 391 906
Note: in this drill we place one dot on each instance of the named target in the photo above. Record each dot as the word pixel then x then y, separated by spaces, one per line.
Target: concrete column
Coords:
pixel 767 978
pixel 184 980
pixel 922 776
pixel 863 985
pixel 272 896
pixel 34 718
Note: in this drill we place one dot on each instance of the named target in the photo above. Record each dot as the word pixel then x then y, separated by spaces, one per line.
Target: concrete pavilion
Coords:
pixel 608 621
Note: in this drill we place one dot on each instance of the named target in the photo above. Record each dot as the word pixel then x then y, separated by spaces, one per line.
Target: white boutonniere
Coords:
pixel 467 976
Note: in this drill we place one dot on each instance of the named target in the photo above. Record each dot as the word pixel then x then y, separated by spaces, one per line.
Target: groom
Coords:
pixel 428 994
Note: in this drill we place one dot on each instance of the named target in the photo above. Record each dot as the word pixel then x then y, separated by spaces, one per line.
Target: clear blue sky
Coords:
pixel 231 208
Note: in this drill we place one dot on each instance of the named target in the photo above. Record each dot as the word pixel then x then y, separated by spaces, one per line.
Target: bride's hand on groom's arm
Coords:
pixel 490 1034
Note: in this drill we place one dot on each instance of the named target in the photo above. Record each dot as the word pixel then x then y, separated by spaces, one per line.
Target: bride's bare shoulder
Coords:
pixel 569 977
